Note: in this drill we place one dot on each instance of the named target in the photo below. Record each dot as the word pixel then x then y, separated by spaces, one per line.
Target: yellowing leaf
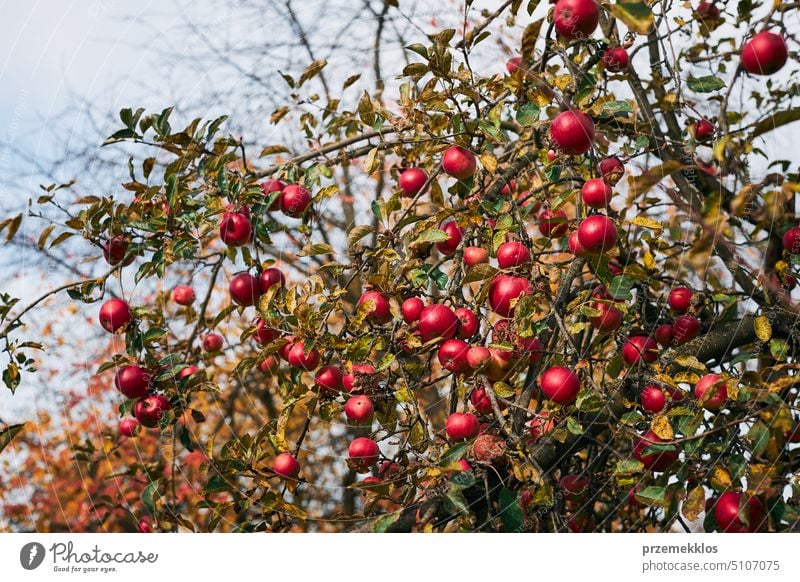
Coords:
pixel 644 182
pixel 637 16
pixel 646 222
pixel 662 427
pixel 691 362
pixel 763 328
pixel 488 161
pixel 695 503
pixel 720 479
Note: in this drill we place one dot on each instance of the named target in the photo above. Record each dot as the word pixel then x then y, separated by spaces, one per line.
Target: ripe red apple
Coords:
pixel 509 188
pixel 707 11
pixel 359 410
pixel 235 229
pixel 269 365
pixel 462 426
pixel 145 524
pixel 364 452
pixel 467 323
pixel 533 347
pixel 500 364
pixel 512 254
pixel 701 130
pixel 726 513
pixel 149 410
pixel 329 378
pixel 298 358
pixel 245 289
pixel 286 466
pixel 477 357
pixel 575 486
pixel 576 19
pixel 540 425
pixel 573 131
pixel 188 371
pixel 133 381
pixel 265 334
pixel 284 350
pixel 640 348
pixel 362 377
pixel 449 246
pixel 553 224
pixel 437 321
pixel 459 162
pixel 663 334
pixel 680 299
pixel 616 59
pixel 609 319
pixel 611 169
pixel 513 64
pixel 685 328
pixel 653 399
pixel 658 461
pixel 411 181
pixel 452 355
pixel 712 388
pixel 411 309
pixel 791 241
pixel 560 385
pixel 269 277
pixel 480 401
pixel 764 54
pixel 597 233
pixel 115 314
pixel 380 313
pixel 596 193
pixel 115 249
pixel 270 186
pixel 213 342
pixel 294 200
pixel 183 295
pixel 128 426
pixel 574 245
pixel 475 256
pixel 504 289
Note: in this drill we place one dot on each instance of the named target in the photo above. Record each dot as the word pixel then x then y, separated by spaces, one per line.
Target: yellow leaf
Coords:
pixel 488 161
pixel 720 479
pixel 695 503
pixel 642 183
pixel 691 362
pixel 662 427
pixel 646 222
pixel 763 328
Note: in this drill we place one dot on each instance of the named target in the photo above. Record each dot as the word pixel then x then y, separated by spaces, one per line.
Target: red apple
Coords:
pixel 133 381
pixel 655 461
pixel 364 452
pixel 452 355
pixel 764 54
pixel 459 162
pixel 575 486
pixel 572 131
pixel 680 299
pixel 187 372
pixel 663 334
pixel 462 426
pixel 359 410
pixel 560 385
pixel 477 357
pixel 213 342
pixel 576 19
pixel 553 224
pixel 467 323
pixel 533 347
pixel 437 321
pixel 115 314
pixel 329 378
pixel 791 241
pixel 609 320
pixel 574 245
pixel 540 425
pixel 235 229
pixel 245 289
pixel 500 364
pixel 128 426
pixel 115 249
pixel 596 193
pixel 480 401
pixel 475 256
pixel 701 130
pixel 268 365
pixel 411 181
pixel 707 11
pixel 411 309
pixel 362 377
pixel 299 358
pixel 270 186
pixel 512 254
pixel 286 466
pixel 597 233
pixel 505 289
pixel 513 64
pixel 449 246
pixel 640 348
pixel 727 512
pixel 712 391
pixel 611 169
pixel 616 59
pixel 183 295
pixel 265 334
pixel 508 188
pixel 269 277
pixel 653 399
pixel 685 328
pixel 294 200
pixel 145 524
pixel 149 410
pixel 380 313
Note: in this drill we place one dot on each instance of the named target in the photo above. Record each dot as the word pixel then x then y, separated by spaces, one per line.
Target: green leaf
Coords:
pixel 8 434
pixel 385 521
pixel 510 511
pixel 455 453
pixel 707 84
pixel 652 495
pixel 758 436
pixel 637 16
pixel 528 114
pixel 628 467
pixel 432 235
pixel 357 233
pixel 611 107
pixel 148 496
pixel 620 287
pixel 574 426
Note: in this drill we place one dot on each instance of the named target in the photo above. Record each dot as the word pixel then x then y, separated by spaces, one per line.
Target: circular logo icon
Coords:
pixel 31 555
